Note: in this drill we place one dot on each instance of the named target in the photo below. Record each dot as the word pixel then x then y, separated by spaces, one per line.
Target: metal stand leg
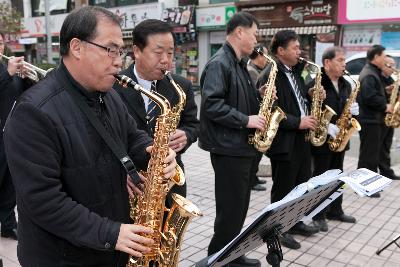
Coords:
pixel 386 246
pixel 275 255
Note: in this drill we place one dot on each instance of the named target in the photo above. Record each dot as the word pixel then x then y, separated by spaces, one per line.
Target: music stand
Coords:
pixel 386 246
pixel 268 226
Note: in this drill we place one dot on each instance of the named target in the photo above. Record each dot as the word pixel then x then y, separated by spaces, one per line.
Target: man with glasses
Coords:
pixel 11 86
pixel 72 194
pixel 153 49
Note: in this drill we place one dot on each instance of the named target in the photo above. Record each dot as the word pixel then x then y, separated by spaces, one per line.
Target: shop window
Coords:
pixel 186 61
pixel 55 6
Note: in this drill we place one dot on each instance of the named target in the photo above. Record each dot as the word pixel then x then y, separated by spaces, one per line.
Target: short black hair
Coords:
pixel 243 19
pixel 149 27
pixel 375 50
pixel 331 52
pixel 282 39
pixel 82 23
pixel 255 54
pixel 2 35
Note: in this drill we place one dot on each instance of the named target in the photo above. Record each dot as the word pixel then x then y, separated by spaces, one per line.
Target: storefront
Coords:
pixel 186 60
pixel 33 38
pixel 369 22
pixel 211 25
pixel 314 21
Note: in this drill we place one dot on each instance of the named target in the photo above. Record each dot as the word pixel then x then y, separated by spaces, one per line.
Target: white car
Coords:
pixel 355 63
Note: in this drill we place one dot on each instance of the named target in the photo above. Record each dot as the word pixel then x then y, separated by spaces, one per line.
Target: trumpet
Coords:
pixel 30 71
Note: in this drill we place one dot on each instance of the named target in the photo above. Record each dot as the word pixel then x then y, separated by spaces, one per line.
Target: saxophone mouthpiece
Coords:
pixel 301 59
pixel 346 72
pixel 168 75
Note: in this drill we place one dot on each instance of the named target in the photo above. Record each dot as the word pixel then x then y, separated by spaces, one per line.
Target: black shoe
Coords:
pixel 244 261
pixel 259 181
pixel 342 218
pixel 376 195
pixel 321 224
pixel 394 177
pixel 303 229
pixel 288 241
pixel 10 234
pixel 258 187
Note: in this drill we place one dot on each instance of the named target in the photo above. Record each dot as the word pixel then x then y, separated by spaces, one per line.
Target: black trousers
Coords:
pixel 322 163
pixel 7 194
pixel 254 168
pixel 286 175
pixel 384 156
pixel 232 196
pixel 371 142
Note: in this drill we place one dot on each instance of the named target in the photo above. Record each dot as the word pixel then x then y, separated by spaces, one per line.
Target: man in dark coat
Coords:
pixel 373 107
pixel 72 194
pixel 337 92
pixel 228 114
pixel 388 132
pixel 290 152
pixel 153 47
pixel 11 86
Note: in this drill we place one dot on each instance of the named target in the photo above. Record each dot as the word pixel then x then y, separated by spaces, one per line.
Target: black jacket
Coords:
pixel 71 189
pixel 228 98
pixel 135 104
pixel 283 144
pixel 372 98
pixel 336 101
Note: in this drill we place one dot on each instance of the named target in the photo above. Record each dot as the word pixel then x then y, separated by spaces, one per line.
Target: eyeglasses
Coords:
pixel 113 52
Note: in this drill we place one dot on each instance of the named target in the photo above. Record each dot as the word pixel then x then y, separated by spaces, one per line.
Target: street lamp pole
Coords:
pixel 48 32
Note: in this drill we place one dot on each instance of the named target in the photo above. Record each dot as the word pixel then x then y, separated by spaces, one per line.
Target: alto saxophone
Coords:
pixel 262 139
pixel 148 209
pixel 393 119
pixel 318 136
pixel 346 124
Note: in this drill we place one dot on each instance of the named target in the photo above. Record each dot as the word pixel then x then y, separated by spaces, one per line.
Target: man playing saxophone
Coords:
pixel 338 91
pixel 228 114
pixel 290 152
pixel 373 107
pixel 153 47
pixel 388 132
pixel 72 196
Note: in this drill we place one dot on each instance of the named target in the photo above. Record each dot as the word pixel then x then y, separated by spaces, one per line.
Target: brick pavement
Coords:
pixel 343 245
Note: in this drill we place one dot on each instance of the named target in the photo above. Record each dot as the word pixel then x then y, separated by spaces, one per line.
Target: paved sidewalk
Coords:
pixel 343 245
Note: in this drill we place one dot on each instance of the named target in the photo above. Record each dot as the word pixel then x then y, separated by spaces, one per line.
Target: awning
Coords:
pixel 299 30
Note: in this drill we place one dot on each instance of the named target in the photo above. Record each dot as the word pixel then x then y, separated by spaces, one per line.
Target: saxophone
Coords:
pixel 393 119
pixel 346 124
pixel 149 209
pixel 262 139
pixel 318 136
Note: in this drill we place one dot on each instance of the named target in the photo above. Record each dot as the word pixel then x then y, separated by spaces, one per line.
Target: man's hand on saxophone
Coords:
pixel 263 88
pixel 178 140
pixel 169 172
pixel 256 121
pixel 389 108
pixel 308 123
pixel 322 94
pixel 131 240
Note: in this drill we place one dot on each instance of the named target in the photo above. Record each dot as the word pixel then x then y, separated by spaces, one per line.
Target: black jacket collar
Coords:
pixel 91 96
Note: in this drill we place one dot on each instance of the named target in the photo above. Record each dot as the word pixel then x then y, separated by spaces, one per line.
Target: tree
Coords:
pixel 10 19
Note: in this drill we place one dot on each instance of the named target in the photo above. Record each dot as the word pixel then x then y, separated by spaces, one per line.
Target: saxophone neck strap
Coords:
pixel 116 146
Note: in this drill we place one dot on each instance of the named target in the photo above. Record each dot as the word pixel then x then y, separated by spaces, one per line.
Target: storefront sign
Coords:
pixel 179 18
pixel 295 14
pixel 134 14
pixel 212 18
pixel 366 11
